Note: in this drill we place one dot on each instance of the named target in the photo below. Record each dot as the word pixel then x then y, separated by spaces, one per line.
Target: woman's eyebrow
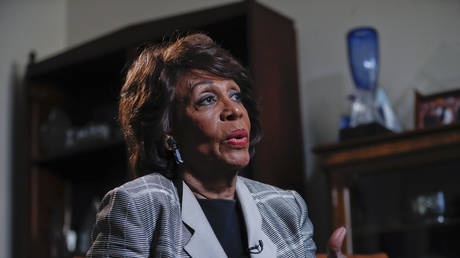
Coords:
pixel 192 86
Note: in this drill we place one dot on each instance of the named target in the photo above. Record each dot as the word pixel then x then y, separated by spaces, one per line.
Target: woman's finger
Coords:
pixel 335 243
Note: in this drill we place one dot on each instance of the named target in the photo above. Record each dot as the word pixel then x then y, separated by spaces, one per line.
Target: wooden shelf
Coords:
pixel 403 227
pixel 87 151
pixel 391 153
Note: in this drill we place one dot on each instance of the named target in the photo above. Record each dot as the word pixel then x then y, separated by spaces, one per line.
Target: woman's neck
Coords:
pixel 211 187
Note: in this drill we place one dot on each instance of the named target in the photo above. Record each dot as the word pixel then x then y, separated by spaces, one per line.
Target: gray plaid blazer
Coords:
pixel 146 218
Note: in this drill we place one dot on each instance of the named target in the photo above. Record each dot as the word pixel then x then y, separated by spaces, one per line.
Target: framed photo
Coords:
pixel 437 109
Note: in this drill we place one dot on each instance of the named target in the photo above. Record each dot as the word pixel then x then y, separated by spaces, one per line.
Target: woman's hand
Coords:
pixel 334 249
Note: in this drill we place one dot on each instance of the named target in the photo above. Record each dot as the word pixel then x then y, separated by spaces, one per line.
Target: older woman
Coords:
pixel 191 124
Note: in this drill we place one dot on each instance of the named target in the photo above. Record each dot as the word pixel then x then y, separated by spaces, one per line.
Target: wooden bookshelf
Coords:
pixel 412 161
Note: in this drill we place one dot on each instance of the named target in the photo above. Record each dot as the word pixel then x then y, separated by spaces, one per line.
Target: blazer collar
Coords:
pixel 253 221
pixel 204 242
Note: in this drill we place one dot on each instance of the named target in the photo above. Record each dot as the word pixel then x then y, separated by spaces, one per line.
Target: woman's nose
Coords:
pixel 232 110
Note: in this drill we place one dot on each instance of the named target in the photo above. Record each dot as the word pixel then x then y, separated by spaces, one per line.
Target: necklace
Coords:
pixel 200 195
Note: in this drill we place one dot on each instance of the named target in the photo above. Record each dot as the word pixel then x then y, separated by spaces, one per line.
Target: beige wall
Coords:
pixel 24 25
pixel 419 40
pixel 89 19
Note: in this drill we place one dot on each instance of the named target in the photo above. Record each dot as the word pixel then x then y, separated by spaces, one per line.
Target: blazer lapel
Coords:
pixel 253 221
pixel 203 242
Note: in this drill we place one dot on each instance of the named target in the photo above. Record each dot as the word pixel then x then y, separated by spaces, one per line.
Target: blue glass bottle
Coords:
pixel 363 56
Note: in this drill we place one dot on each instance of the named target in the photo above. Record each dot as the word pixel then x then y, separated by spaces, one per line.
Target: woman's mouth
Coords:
pixel 237 138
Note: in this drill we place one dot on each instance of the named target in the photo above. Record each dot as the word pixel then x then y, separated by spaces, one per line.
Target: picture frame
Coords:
pixel 437 109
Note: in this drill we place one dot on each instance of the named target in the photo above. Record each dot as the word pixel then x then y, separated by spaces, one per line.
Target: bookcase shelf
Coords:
pixel 375 182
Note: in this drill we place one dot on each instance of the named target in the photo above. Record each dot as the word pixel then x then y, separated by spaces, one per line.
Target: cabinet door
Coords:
pixel 273 62
pixel 413 212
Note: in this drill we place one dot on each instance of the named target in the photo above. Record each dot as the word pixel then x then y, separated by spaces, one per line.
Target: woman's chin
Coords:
pixel 237 161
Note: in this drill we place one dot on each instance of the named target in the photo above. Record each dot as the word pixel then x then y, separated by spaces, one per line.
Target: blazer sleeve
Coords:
pixel 306 227
pixel 119 230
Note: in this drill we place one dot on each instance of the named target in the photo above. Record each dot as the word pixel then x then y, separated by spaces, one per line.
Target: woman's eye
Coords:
pixel 236 96
pixel 207 100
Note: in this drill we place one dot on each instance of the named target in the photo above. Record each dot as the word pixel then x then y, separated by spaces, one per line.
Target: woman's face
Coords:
pixel 211 124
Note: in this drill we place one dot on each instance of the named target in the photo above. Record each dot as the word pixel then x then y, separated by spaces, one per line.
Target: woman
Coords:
pixel 191 124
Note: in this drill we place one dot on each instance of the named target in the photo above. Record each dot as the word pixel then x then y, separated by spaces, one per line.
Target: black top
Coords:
pixel 227 223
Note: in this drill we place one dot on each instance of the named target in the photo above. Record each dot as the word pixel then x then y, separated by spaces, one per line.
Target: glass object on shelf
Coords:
pixel 84 234
pixel 86 135
pixel 430 206
pixel 363 56
pixel 62 238
pixel 59 135
pixel 389 118
pixel 53 130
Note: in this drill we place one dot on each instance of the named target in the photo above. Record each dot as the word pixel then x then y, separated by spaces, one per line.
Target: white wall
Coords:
pixel 24 25
pixel 89 19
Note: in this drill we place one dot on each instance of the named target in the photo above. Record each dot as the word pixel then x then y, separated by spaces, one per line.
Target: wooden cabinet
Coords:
pixel 397 193
pixel 68 147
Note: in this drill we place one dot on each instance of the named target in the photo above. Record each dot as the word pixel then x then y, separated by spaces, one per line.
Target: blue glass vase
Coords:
pixel 363 56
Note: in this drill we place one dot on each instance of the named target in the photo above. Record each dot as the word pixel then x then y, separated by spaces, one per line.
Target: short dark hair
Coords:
pixel 148 97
